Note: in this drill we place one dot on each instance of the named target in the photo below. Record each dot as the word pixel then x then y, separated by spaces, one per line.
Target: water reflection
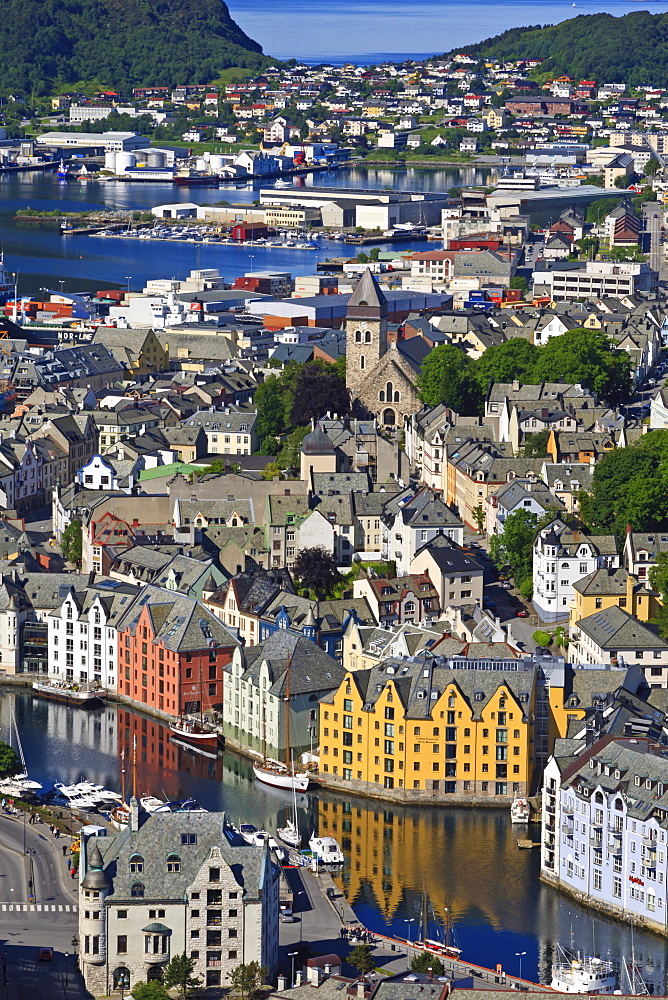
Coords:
pixel 464 859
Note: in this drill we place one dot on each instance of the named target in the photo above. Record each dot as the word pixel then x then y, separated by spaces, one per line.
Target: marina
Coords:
pixel 488 887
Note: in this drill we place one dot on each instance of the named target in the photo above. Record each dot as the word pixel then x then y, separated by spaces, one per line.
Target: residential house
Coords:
pixel 561 556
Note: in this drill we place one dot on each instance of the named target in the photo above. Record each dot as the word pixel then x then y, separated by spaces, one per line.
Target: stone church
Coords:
pixel 381 377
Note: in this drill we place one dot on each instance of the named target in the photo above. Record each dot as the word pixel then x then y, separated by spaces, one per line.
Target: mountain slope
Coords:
pixel 125 43
pixel 631 49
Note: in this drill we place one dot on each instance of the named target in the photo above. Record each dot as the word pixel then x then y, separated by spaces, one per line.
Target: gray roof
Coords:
pixel 615 629
pixel 311 669
pixel 160 835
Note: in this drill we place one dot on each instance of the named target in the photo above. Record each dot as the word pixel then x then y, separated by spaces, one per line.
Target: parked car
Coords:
pixel 523 613
pixel 287 917
pixel 45 955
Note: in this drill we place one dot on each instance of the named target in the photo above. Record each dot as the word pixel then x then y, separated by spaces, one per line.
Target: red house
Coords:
pixel 172 653
pixel 249 230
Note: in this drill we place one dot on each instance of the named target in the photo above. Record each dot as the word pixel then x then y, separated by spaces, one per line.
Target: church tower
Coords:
pixel 366 334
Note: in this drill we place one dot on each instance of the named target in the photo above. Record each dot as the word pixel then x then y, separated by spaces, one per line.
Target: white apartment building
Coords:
pixel 605 829
pixel 561 556
pixel 82 636
pixel 597 279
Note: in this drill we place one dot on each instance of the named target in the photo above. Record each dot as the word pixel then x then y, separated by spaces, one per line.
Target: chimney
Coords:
pixel 360 991
pixel 134 815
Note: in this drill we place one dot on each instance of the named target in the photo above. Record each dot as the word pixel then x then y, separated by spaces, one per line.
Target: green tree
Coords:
pixel 535 445
pixel 316 570
pixel 516 359
pixel 270 446
pixel 154 990
pixel 374 253
pixel 71 542
pixel 590 358
pixel 446 377
pixel 630 487
pixel 179 976
pixel 651 167
pixel 270 401
pixel 361 959
pixel 10 763
pixel 247 980
pixel 541 638
pixel 271 471
pixel 479 518
pixel 362 257
pixel 289 457
pixel 318 389
pixel 623 181
pixel 519 282
pixel 424 961
pixel 514 547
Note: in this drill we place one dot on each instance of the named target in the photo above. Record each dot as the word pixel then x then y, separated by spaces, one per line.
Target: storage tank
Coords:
pixel 216 162
pixel 200 163
pixel 125 161
pixel 156 160
pixel 110 161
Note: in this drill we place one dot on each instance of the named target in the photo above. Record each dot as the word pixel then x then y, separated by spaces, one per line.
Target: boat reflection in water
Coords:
pixel 467 858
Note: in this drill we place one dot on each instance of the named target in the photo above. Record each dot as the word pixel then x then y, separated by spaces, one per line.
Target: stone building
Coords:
pixel 174 883
pixel 381 377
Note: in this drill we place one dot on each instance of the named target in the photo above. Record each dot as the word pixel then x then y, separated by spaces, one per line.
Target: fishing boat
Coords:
pixel 520 810
pixel 275 773
pixel 85 695
pixel 327 850
pixel 62 173
pixel 289 833
pixel 574 973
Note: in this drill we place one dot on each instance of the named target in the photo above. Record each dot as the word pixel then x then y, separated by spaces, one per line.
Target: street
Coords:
pixel 38 909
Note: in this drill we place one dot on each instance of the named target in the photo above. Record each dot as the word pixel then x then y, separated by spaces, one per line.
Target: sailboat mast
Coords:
pixel 123 775
pixel 264 731
pixel 425 918
pixel 287 715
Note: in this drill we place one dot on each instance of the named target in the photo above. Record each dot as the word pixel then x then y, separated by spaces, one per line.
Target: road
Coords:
pixel 657 261
pixel 38 908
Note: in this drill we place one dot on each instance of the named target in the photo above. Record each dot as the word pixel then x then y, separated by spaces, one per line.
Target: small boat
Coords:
pixel 327 850
pixel 290 835
pixel 149 803
pixel 574 974
pixel 196 732
pixel 273 772
pixel 185 805
pixel 72 694
pixel 120 817
pixel 520 810
pixel 62 172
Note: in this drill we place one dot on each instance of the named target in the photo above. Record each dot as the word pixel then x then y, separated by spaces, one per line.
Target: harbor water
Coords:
pixel 43 257
pixel 464 860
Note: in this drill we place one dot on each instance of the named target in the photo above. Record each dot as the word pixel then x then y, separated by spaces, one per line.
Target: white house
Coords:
pixel 613 635
pixel 82 637
pixel 412 519
pixel 560 557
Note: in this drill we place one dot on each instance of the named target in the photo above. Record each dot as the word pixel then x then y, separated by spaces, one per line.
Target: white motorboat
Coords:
pixel 327 850
pixel 149 803
pixel 576 974
pixel 520 811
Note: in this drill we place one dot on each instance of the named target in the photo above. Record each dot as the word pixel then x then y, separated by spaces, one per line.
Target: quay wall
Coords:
pixel 608 909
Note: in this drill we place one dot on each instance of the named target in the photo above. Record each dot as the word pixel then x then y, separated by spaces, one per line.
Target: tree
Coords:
pixel 270 446
pixel 590 358
pixel 289 457
pixel 519 282
pixel 315 568
pixel 71 542
pixel 516 359
pixel 179 975
pixel 425 961
pixel 10 763
pixel 361 959
pixel 622 181
pixel 154 990
pixel 269 399
pixel 318 389
pixel 479 518
pixel 247 979
pixel 271 470
pixel 446 377
pixel 535 445
pixel 514 548
pixel 630 486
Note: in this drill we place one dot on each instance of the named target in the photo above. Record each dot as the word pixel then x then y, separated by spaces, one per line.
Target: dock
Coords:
pixel 525 845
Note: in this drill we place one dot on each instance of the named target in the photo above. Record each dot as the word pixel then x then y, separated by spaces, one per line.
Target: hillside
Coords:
pixel 49 44
pixel 631 49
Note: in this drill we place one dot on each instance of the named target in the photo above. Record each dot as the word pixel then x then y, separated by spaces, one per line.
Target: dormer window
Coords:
pixel 636 781
pixel 136 864
pixel 137 890
pixel 173 863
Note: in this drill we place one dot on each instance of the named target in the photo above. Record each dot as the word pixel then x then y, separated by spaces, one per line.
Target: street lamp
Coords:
pixel 127 278
pixel 518 954
pixel 302 892
pixel 408 921
pixel 292 955
pixel 67 955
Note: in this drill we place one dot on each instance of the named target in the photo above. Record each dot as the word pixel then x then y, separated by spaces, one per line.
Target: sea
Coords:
pixel 465 860
pixel 369 32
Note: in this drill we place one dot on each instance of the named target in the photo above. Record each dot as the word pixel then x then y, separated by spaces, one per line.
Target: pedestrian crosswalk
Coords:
pixel 38 908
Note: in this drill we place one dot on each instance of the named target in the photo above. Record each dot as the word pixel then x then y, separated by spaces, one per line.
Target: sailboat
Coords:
pixel 289 833
pixel 19 782
pixel 120 816
pixel 273 772
pixel 198 733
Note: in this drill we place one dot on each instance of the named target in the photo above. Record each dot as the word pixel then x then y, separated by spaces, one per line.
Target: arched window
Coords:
pixel 389 389
pixel 137 890
pixel 173 863
pixel 381 396
pixel 96 617
pixel 362 362
pixel 154 974
pixel 121 978
pixel 136 864
pixel 367 336
pixel 358 336
pixel 396 397
pixel 234 522
pixel 389 418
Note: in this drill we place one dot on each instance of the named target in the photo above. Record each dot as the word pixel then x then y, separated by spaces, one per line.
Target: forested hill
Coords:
pixel 48 44
pixel 631 49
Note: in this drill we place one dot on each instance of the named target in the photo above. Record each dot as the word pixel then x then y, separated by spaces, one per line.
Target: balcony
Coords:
pixel 595 840
pixel 567 827
pixel 649 843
